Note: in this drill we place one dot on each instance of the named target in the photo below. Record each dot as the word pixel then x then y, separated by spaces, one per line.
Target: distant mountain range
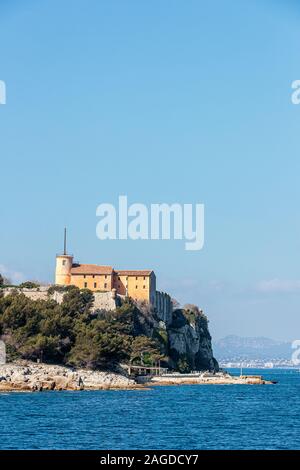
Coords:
pixel 232 348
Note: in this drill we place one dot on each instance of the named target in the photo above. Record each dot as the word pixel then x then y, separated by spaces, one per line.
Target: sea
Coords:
pixel 171 417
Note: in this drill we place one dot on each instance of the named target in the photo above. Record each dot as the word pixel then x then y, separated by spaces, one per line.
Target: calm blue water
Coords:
pixel 185 417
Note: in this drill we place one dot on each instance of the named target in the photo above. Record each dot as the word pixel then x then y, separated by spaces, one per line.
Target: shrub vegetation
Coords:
pixel 68 334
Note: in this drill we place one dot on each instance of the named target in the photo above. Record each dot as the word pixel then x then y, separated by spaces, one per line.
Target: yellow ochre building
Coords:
pixel 139 285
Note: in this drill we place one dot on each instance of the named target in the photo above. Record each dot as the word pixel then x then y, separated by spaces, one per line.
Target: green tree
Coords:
pixel 29 285
pixel 45 348
pixel 144 350
pixel 77 302
pixel 94 348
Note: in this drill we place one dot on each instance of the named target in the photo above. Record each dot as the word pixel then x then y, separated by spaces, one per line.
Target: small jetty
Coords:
pixel 161 376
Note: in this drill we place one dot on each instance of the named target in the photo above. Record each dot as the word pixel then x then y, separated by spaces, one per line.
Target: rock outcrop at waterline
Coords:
pixel 29 376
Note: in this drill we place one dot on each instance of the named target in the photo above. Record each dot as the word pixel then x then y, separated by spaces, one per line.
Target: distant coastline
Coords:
pixel 254 352
pixel 256 365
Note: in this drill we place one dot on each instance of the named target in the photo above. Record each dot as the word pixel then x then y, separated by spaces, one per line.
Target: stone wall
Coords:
pixel 106 301
pixel 40 293
pixel 103 300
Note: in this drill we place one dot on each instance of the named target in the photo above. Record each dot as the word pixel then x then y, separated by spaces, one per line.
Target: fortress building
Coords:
pixel 139 285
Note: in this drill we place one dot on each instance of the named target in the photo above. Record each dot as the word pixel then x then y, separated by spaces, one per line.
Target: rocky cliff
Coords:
pixel 185 338
pixel 190 341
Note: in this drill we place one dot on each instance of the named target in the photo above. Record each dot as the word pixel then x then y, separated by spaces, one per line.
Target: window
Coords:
pixel 136 287
pixel 84 276
pixel 119 279
pixel 136 278
pixel 144 278
pixel 85 284
pixel 93 276
pixel 144 287
pixel 105 276
pixel 95 285
pixel 64 262
pixel 105 285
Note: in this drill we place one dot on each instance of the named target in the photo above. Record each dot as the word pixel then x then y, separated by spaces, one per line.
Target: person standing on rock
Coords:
pixel 80 383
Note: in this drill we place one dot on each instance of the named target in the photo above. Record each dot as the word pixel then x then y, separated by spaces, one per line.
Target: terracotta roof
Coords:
pixel 90 269
pixel 134 273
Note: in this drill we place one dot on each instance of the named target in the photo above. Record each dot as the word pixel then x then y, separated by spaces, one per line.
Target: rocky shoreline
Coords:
pixel 29 376
pixel 26 376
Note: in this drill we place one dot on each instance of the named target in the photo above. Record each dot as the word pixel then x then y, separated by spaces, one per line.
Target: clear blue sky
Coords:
pixel 165 101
